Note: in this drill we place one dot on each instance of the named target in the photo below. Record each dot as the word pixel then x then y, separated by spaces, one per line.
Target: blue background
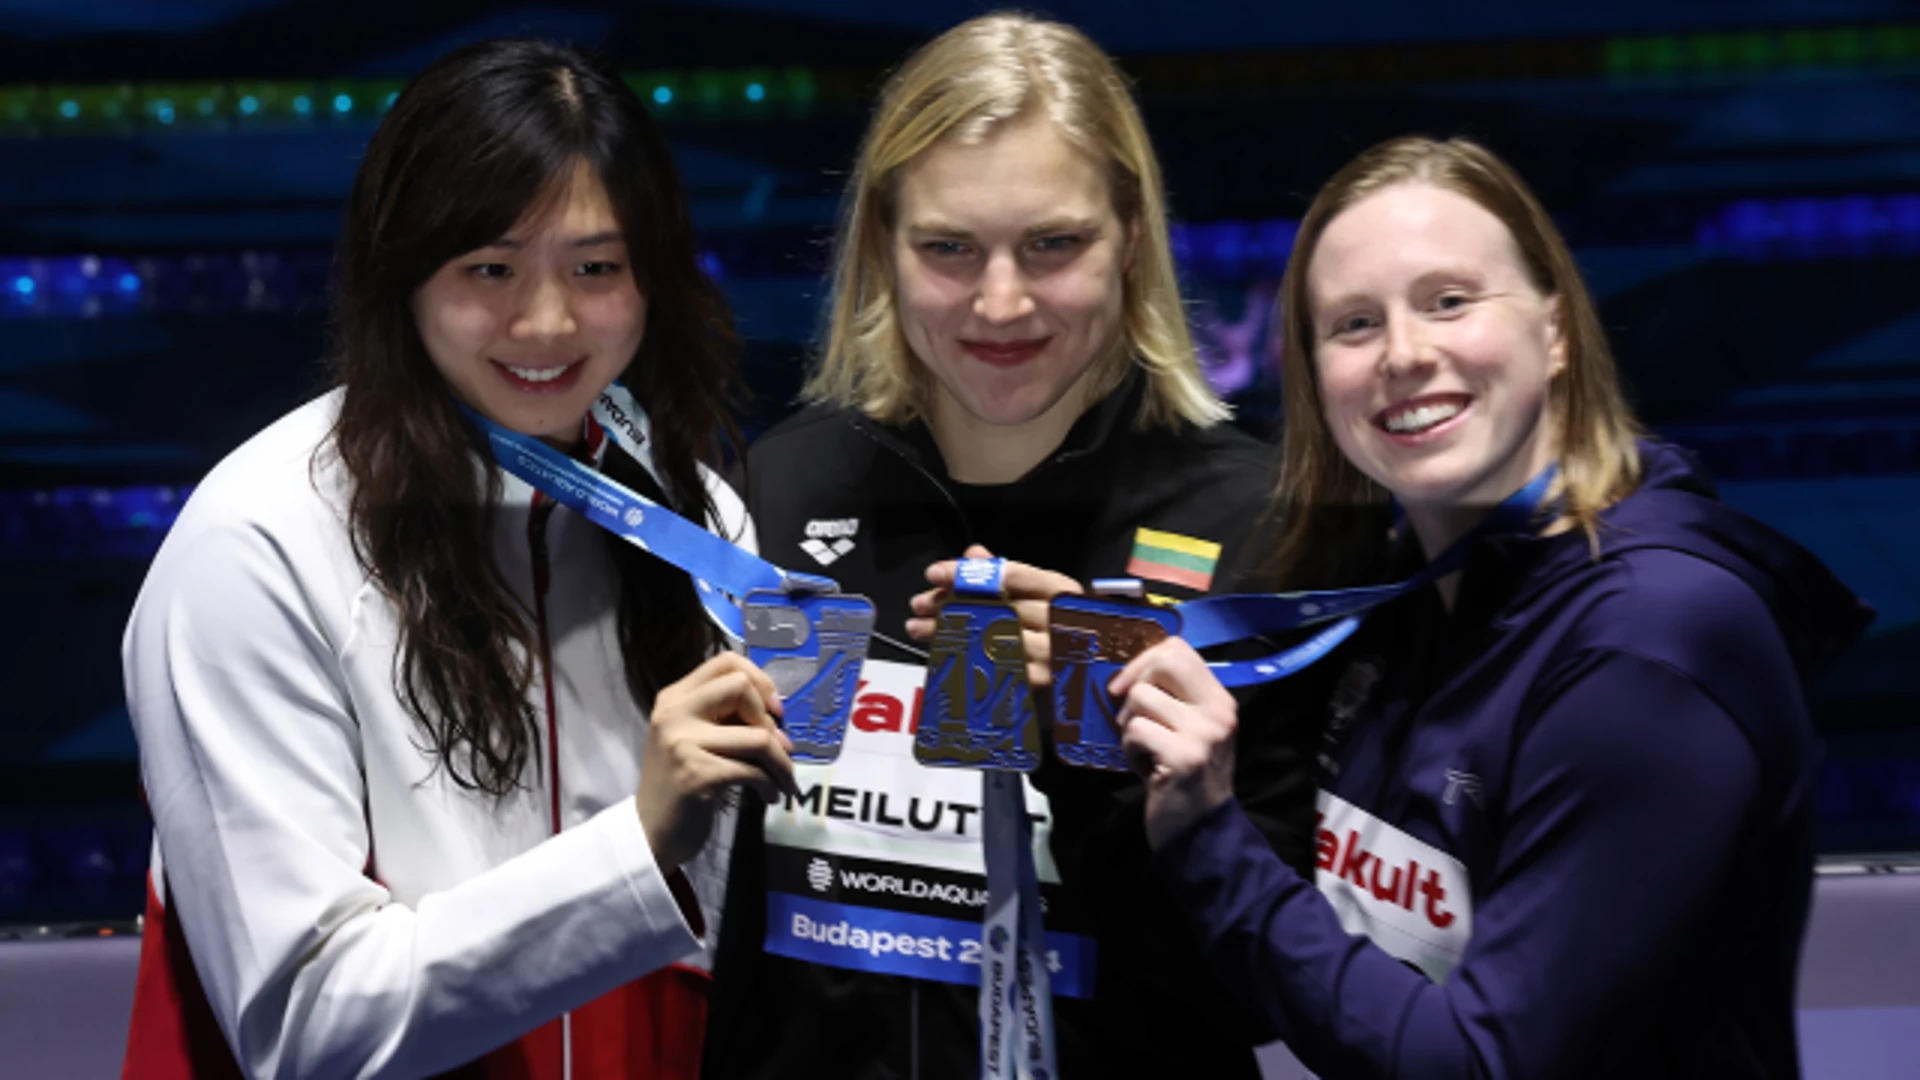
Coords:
pixel 1741 182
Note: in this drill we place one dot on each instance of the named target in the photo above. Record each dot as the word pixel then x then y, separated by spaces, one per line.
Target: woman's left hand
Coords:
pixel 1029 589
pixel 1176 728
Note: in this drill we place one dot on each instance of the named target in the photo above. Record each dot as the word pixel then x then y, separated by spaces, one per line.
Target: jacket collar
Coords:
pixel 1090 433
pixel 590 451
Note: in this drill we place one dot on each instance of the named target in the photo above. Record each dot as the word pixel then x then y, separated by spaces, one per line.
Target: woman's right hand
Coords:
pixel 712 729
pixel 1176 727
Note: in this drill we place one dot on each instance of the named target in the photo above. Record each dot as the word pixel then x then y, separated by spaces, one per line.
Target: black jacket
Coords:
pixel 1154 1009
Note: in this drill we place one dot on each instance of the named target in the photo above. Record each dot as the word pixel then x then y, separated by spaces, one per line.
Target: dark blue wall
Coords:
pixel 1741 182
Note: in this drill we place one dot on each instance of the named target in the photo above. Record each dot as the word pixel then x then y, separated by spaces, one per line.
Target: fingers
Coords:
pixel 1039 649
pixel 1021 581
pixel 1176 718
pixel 722 666
pixel 727 689
pixel 1029 589
pixel 733 696
pixel 941 573
pixel 925 606
pixel 1167 739
pixel 1149 750
pixel 1150 703
pixel 713 756
pixel 1176 668
pixel 1032 583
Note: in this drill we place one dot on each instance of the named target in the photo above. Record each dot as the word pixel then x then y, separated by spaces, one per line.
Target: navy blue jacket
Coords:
pixel 1615 759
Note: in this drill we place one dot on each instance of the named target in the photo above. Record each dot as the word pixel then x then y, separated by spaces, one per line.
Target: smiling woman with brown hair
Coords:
pixel 1566 817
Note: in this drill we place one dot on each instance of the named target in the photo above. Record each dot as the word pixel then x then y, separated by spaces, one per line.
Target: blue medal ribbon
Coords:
pixel 800 628
pixel 724 572
pixel 1219 620
pixel 1016 998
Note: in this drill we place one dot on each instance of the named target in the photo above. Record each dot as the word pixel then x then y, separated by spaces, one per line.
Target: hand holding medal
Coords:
pixel 1092 638
pixel 1005 627
pixel 977 712
pixel 812 646
pixel 1176 725
pixel 1028 589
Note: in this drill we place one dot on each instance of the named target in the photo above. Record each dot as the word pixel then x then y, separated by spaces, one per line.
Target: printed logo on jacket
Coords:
pixel 878 865
pixel 1403 894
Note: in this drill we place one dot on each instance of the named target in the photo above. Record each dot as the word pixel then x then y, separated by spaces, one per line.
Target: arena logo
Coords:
pixel 828 539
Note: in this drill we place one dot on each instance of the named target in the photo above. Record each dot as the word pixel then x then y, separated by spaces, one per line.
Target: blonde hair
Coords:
pixel 1321 496
pixel 966 84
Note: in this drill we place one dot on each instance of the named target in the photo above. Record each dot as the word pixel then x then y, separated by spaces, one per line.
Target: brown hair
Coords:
pixel 483 136
pixel 965 84
pixel 1331 516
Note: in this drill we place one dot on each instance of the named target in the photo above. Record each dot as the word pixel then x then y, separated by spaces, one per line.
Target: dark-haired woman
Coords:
pixel 394 706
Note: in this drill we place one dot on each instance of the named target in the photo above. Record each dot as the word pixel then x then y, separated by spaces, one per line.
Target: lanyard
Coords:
pixel 1218 620
pixel 724 573
pixel 1016 1000
pixel 810 638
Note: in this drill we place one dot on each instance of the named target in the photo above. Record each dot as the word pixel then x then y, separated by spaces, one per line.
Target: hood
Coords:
pixel 1677 508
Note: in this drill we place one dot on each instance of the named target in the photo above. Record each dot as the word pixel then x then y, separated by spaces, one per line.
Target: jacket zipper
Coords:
pixel 541 513
pixel 966 527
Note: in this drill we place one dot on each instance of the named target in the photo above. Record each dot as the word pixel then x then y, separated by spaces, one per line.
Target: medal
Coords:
pixel 976 712
pixel 812 646
pixel 1091 638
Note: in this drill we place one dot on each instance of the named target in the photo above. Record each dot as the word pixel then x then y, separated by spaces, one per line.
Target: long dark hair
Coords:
pixel 480 137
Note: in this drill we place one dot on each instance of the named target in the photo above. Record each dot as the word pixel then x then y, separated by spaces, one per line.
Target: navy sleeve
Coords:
pixel 1627 798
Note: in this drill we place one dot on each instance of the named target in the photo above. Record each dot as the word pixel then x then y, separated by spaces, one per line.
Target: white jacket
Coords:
pixel 350 911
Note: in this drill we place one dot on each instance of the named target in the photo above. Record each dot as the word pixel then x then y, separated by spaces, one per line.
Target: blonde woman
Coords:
pixel 1007 367
pixel 1566 825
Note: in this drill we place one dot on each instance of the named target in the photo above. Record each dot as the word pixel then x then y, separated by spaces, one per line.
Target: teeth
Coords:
pixel 539 374
pixel 1422 418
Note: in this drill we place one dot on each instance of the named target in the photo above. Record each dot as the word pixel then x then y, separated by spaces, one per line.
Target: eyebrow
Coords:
pixel 1063 224
pixel 607 236
pixel 1463 273
pixel 1338 302
pixel 937 227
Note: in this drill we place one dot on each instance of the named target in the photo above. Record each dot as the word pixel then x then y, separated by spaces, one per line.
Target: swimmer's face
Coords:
pixel 1434 351
pixel 1008 262
pixel 531 328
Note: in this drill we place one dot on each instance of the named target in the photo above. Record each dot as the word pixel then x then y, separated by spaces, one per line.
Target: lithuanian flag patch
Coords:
pixel 1172 558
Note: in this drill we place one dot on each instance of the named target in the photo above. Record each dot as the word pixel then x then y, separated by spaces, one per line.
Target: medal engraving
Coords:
pixel 1091 639
pixel 976 712
pixel 813 648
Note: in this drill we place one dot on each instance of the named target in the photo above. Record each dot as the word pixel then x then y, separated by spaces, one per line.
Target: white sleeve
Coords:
pixel 251 759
